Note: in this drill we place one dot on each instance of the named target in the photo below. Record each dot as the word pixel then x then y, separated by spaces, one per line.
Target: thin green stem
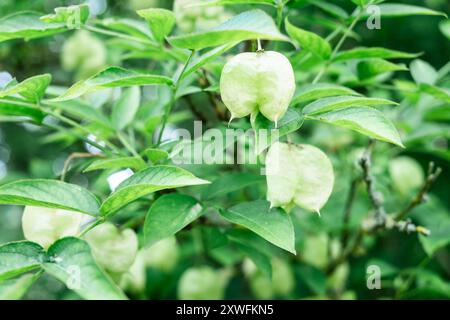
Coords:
pixel 92 226
pixel 127 144
pixel 48 109
pixel 79 136
pixel 81 128
pixel 279 19
pixel 338 46
pixel 119 35
pixel 170 105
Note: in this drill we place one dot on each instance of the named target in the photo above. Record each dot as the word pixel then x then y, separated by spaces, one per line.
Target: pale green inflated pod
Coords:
pixel 283 279
pixel 406 173
pixel 83 53
pixel 298 174
pixel 260 81
pixel 114 250
pixel 203 283
pixel 315 250
pixel 262 287
pixel 45 225
pixel 135 278
pixel 197 18
pixel 281 174
pixel 163 255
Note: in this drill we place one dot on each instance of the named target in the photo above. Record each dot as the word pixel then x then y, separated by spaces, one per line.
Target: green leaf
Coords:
pixel 32 89
pixel 393 10
pixel 374 52
pixel 126 107
pixel 274 224
pixel 372 67
pixel 292 121
pixel 361 3
pixel 330 8
pixel 138 29
pixel 252 240
pixel 147 181
pixel 439 93
pixel 72 16
pixel 15 289
pixel 156 155
pixel 73 264
pixel 320 90
pixel 169 214
pixel 161 21
pixel 229 183
pixel 19 257
pixel 444 26
pixel 49 194
pixel 314 278
pixel 111 78
pixel 261 261
pixel 423 72
pixel 19 108
pixel 438 239
pixel 342 102
pixel 309 41
pixel 365 120
pixel 116 163
pixel 232 2
pixel 27 25
pixel 82 110
pixel 249 25
pixel 206 57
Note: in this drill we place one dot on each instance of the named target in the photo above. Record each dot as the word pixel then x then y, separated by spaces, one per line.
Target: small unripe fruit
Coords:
pixel 315 250
pixel 83 53
pixel 114 250
pixel 163 255
pixel 45 226
pixel 407 174
pixel 260 81
pixel 281 284
pixel 282 277
pixel 202 283
pixel 191 18
pixel 298 174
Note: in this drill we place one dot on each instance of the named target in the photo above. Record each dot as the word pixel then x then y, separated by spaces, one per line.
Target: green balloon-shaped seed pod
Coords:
pixel 203 283
pixel 113 249
pixel 44 225
pixel 163 255
pixel 407 174
pixel 260 81
pixel 299 175
pixel 281 284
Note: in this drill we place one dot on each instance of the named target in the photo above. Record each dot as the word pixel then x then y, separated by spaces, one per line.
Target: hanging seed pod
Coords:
pixel 45 226
pixel 298 174
pixel 114 250
pixel 260 81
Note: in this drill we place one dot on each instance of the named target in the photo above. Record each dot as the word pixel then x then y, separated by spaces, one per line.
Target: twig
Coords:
pixel 348 210
pixel 374 195
pixel 346 253
pixel 420 197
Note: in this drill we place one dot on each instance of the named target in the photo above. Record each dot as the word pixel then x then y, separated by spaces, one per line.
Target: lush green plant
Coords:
pixel 117 206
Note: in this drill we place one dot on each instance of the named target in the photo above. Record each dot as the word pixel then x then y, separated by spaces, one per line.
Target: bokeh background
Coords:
pixel 27 151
